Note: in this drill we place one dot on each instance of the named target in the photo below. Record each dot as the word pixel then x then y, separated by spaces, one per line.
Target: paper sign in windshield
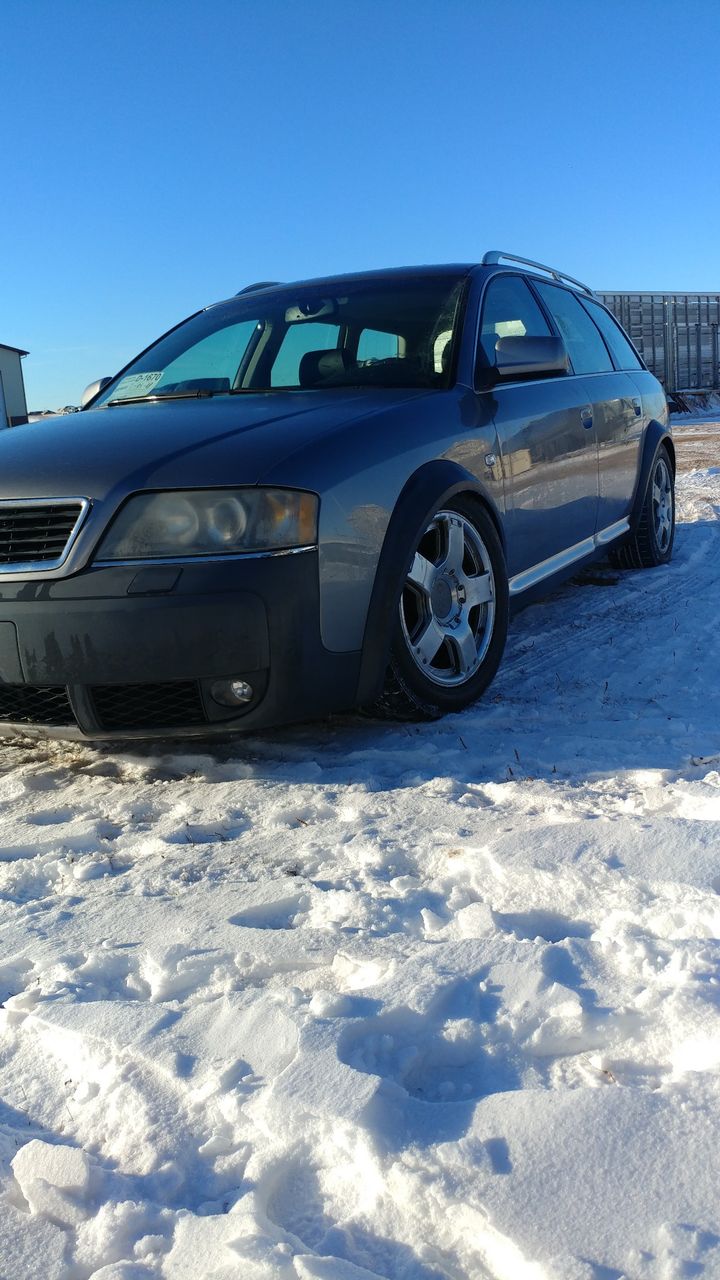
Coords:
pixel 136 384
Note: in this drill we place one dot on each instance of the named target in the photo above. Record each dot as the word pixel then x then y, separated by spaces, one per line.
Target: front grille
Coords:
pixel 148 706
pixel 37 532
pixel 32 704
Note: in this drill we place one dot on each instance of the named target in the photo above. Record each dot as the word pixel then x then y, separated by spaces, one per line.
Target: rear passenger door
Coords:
pixel 612 395
pixel 620 441
pixel 547 440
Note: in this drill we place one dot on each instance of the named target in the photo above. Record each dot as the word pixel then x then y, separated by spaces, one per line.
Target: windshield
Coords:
pixel 389 332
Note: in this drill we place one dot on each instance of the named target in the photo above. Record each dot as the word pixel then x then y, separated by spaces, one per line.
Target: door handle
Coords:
pixel 637 406
pixel 586 416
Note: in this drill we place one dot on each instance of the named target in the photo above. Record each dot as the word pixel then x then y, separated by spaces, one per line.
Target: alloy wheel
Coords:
pixel 662 500
pixel 447 607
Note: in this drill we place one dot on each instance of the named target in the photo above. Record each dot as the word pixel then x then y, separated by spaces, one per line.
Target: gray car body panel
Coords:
pixel 365 468
pixel 107 454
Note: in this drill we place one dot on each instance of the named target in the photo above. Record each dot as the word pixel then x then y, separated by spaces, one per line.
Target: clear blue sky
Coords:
pixel 159 154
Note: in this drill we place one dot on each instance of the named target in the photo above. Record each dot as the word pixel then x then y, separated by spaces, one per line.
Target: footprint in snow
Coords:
pixel 49 817
pixel 49 781
pixel 206 833
pixel 301 1204
pixel 549 926
pixel 279 914
pixel 304 816
pixel 429 1062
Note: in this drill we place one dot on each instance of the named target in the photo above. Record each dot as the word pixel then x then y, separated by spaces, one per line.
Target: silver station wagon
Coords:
pixel 323 495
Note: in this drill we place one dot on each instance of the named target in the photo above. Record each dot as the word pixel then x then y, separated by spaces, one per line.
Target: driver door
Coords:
pixel 547 440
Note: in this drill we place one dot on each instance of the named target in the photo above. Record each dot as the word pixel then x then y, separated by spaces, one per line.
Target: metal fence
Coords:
pixel 675 333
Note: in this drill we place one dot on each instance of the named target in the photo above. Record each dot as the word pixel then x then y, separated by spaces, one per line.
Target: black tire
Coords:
pixel 419 688
pixel 651 544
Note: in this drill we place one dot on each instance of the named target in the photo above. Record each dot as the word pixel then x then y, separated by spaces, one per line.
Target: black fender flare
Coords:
pixel 655 436
pixel 428 488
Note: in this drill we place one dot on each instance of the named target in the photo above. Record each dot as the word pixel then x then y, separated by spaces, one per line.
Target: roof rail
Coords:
pixel 493 256
pixel 261 284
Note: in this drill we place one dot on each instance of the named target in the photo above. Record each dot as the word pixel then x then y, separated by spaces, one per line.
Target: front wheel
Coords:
pixel 451 624
pixel 652 542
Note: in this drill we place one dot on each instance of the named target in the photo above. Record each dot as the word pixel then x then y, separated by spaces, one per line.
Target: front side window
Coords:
pixel 509 311
pixel 588 352
pixel 386 331
pixel 210 364
pixel 620 349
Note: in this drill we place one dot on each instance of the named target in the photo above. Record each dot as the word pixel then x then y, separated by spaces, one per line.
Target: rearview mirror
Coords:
pixel 93 389
pixel 311 309
pixel 524 357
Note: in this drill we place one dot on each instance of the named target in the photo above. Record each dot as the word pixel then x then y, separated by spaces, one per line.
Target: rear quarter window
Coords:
pixel 620 349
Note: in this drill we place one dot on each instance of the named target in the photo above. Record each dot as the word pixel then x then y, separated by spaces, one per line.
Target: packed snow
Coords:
pixel 351 1000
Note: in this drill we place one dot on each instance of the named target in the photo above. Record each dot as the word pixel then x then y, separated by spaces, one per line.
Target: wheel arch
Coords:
pixel 427 489
pixel 655 436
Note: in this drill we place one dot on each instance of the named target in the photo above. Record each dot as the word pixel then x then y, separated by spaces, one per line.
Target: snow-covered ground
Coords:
pixel 350 1000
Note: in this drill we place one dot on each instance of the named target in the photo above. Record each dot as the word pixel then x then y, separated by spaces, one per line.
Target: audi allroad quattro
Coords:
pixel 320 496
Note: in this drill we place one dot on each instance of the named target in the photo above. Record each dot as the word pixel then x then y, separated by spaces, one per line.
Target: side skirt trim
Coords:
pixel 554 564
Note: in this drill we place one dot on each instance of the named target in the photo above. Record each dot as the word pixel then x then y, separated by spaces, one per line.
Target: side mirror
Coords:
pixel 525 357
pixel 93 390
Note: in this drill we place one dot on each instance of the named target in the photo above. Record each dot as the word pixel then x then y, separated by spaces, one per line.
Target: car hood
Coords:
pixel 104 454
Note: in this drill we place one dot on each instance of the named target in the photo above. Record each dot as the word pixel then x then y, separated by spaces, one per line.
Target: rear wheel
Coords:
pixel 652 542
pixel 451 623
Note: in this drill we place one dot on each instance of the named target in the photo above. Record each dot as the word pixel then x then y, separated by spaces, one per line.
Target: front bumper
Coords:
pixel 131 651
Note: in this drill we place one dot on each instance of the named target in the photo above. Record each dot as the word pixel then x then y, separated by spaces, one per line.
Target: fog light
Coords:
pixel 230 693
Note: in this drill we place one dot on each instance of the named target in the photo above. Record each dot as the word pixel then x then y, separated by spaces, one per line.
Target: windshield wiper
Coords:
pixel 172 395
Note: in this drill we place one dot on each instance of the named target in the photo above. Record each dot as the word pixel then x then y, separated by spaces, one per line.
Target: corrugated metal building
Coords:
pixel 675 333
pixel 13 405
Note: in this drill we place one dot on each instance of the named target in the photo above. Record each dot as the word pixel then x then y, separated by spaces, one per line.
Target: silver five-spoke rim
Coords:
pixel 447 608
pixel 662 497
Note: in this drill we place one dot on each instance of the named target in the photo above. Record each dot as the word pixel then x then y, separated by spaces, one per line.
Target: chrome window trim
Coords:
pixel 218 559
pixel 566 377
pixel 45 566
pixel 563 559
pixel 532 382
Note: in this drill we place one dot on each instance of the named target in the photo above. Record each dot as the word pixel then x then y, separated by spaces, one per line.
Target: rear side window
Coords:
pixel 588 352
pixel 620 349
pixel 509 311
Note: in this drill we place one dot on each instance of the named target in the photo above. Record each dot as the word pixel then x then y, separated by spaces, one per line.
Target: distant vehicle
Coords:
pixel 324 495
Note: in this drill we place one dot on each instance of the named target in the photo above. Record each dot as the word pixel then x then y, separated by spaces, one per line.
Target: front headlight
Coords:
pixel 210 522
